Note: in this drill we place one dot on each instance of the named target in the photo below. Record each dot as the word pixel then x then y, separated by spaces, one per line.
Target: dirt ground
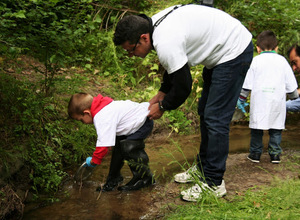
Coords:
pixel 241 175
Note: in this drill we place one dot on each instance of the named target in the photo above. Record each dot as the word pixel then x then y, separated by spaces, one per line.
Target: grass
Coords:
pixel 281 200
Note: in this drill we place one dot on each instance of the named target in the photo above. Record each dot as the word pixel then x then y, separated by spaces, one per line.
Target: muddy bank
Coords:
pixel 167 155
pixel 155 201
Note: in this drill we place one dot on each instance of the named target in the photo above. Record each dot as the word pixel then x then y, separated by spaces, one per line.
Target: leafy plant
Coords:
pixel 60 33
pixel 38 135
pixel 177 121
pixel 262 15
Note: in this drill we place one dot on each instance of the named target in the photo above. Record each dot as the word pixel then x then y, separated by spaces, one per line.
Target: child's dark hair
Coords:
pixel 267 40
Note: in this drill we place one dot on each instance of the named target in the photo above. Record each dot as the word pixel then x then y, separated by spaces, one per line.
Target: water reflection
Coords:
pixel 166 159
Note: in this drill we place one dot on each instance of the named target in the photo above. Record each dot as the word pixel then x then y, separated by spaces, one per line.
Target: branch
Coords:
pixel 116 9
pixel 7 43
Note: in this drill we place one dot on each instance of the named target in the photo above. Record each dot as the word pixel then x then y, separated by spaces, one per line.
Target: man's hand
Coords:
pixel 158 97
pixel 155 112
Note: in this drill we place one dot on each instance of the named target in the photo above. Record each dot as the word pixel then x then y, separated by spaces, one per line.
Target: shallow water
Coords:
pixel 166 158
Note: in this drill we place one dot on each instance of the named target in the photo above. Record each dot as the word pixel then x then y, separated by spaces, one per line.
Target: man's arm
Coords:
pixel 178 86
pixel 166 84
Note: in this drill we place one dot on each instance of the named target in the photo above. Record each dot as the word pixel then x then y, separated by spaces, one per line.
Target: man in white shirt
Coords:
pixel 184 36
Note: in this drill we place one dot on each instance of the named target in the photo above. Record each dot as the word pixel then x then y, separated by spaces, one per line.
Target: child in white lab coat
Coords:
pixel 269 79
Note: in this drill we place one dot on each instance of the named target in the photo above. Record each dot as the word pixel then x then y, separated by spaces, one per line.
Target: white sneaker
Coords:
pixel 194 193
pixel 186 177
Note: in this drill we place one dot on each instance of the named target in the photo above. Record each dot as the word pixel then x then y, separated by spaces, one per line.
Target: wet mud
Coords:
pixel 168 156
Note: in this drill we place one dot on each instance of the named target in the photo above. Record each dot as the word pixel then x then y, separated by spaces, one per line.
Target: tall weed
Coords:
pixel 280 201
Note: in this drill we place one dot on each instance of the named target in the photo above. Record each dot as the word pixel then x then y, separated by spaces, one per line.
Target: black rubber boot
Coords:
pixel 133 151
pixel 114 177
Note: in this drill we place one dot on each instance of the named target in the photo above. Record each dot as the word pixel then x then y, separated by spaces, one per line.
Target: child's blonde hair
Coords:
pixel 78 103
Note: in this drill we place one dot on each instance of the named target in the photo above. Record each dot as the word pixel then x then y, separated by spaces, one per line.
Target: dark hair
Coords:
pixel 266 40
pixel 130 28
pixel 297 49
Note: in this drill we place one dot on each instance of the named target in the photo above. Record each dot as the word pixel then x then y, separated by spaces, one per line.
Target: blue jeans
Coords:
pixel 293 105
pixel 143 132
pixel 221 88
pixel 256 143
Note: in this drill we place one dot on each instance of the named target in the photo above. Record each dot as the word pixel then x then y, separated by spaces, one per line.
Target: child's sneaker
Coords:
pixel 194 193
pixel 186 177
pixel 254 157
pixel 275 158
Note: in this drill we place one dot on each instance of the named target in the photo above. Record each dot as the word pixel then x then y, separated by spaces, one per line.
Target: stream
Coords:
pixel 167 155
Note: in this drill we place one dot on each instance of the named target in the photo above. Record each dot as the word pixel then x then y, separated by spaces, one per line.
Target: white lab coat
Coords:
pixel 269 78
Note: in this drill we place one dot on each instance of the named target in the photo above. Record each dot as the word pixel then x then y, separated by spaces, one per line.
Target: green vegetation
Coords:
pixel 52 49
pixel 37 133
pixel 277 15
pixel 279 201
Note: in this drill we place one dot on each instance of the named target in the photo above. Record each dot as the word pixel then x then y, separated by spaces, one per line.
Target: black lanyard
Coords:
pixel 163 17
pixel 151 28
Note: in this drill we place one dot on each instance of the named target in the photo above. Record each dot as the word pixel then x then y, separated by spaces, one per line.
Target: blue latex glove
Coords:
pixel 88 162
pixel 241 104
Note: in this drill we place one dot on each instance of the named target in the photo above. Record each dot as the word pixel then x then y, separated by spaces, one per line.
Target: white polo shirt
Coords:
pixel 198 35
